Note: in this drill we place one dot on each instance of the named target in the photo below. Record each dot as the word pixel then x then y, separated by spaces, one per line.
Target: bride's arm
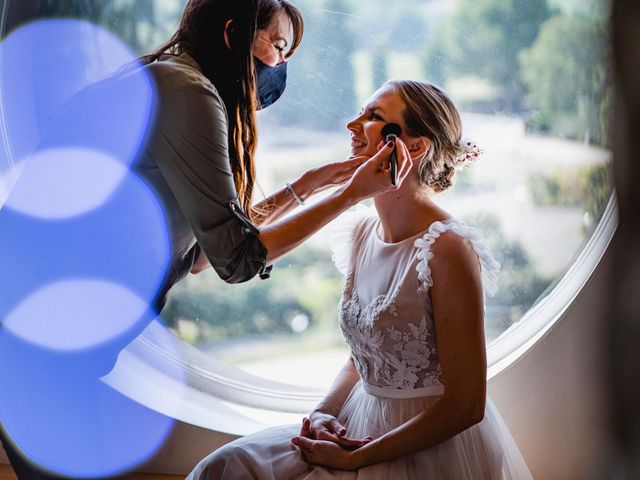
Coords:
pixel 458 314
pixel 339 391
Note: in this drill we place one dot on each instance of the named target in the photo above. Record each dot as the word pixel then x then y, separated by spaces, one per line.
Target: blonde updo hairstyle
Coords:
pixel 430 113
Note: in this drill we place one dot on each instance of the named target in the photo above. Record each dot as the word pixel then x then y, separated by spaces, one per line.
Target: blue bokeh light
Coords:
pixel 74 315
pixel 63 182
pixel 123 242
pixel 84 247
pixel 59 89
pixel 63 417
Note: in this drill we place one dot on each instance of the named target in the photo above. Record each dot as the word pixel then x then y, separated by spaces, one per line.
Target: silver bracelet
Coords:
pixel 290 191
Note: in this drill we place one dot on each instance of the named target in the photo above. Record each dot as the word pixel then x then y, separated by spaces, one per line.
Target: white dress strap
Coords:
pixel 342 234
pixel 489 266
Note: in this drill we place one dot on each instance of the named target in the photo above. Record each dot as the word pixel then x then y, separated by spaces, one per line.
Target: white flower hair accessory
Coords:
pixel 468 151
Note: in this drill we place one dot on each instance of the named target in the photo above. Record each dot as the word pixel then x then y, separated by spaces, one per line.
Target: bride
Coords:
pixel 411 401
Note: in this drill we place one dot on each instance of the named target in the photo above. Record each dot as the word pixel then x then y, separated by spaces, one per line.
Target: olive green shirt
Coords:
pixel 186 162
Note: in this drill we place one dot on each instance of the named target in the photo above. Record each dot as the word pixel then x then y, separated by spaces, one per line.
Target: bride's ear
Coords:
pixel 228 33
pixel 419 147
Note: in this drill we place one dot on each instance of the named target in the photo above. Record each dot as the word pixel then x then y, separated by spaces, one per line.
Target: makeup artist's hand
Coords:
pixel 372 177
pixel 331 174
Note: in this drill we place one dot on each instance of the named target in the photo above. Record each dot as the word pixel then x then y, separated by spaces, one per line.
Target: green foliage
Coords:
pixel 303 282
pixel 588 187
pixel 307 282
pixel 559 189
pixel 599 185
pixel 484 38
pixel 519 284
pixel 567 75
pixel 226 313
pixel 134 21
pixel 92 10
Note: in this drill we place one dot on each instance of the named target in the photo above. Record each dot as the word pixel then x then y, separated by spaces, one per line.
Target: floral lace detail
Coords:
pixel 388 356
pixel 392 338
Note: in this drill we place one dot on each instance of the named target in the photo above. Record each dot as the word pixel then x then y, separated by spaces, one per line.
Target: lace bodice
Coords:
pixel 385 311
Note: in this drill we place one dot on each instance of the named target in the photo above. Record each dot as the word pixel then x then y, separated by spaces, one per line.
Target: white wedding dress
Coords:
pixel 386 318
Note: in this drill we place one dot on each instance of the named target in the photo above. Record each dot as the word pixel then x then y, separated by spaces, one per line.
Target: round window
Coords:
pixel 533 83
pixel 534 88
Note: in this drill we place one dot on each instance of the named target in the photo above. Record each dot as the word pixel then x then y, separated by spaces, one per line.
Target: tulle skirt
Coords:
pixel 484 451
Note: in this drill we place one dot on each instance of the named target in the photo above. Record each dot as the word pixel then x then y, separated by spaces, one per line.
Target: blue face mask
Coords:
pixel 270 82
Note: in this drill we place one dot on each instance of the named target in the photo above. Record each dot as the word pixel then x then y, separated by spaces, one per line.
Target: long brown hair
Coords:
pixel 201 35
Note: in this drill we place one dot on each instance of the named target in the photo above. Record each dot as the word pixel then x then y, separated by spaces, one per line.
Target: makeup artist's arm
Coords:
pixel 311 182
pixel 370 179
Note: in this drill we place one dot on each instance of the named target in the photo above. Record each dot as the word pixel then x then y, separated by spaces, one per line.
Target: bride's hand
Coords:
pixel 323 426
pixel 325 453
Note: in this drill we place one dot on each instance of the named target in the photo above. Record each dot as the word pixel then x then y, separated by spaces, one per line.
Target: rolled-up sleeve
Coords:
pixel 190 146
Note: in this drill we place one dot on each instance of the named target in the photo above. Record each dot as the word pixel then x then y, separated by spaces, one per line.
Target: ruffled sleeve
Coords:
pixel 489 266
pixel 341 236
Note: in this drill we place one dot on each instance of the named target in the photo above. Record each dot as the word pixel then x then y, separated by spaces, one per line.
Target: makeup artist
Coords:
pixel 227 60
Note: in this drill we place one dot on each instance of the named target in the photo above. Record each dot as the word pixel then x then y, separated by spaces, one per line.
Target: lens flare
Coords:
pixel 124 242
pixel 84 247
pixel 59 183
pixel 59 88
pixel 75 315
pixel 63 417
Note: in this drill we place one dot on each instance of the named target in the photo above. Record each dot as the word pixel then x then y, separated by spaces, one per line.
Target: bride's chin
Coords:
pixel 358 151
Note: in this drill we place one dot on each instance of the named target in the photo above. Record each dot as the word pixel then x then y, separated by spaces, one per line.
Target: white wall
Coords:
pixel 554 398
